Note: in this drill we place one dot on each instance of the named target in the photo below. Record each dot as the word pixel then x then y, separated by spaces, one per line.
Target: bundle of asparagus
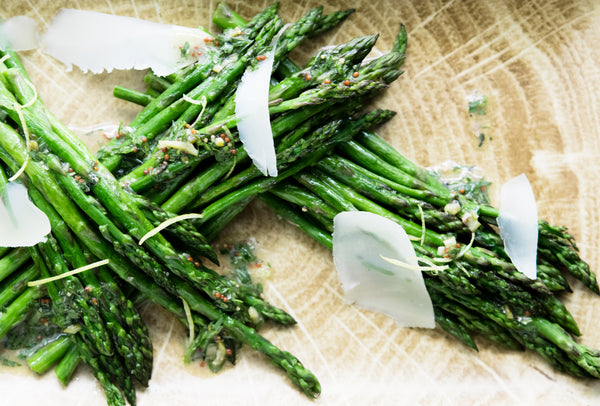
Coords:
pixel 108 207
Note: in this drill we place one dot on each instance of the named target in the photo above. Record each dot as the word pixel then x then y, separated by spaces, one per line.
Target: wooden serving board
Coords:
pixel 538 62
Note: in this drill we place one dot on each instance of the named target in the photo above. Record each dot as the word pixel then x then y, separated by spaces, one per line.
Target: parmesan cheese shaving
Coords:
pixel 190 320
pixel 96 42
pixel 378 268
pixel 194 101
pixel 518 224
pixel 252 113
pixel 430 267
pixel 22 224
pixel 19 33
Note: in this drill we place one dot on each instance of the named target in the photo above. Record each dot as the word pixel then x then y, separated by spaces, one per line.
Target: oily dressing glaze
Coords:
pixel 538 65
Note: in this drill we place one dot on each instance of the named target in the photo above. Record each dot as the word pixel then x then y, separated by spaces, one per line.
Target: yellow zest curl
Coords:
pixel 73 272
pixel 167 223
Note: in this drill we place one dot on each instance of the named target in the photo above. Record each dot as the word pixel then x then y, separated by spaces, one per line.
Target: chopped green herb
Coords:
pixel 477 103
pixel 38 324
pixel 9 363
pixel 185 49
pixel 243 261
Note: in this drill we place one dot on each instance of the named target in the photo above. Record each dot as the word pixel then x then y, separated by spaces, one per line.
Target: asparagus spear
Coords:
pixel 451 325
pixel 47 356
pixel 123 208
pixel 12 261
pixel 68 364
pixel 17 284
pixel 372 118
pixel 290 38
pixel 111 390
pixel 325 67
pixel 480 257
pixel 17 309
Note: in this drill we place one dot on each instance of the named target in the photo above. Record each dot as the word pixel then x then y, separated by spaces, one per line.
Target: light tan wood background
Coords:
pixel 539 64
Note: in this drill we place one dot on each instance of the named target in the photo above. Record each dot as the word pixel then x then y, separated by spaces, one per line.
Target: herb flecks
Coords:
pixel 477 103
pixel 478 109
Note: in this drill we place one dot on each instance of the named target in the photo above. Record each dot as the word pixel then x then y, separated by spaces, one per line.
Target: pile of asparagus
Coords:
pixel 107 207
pixel 182 156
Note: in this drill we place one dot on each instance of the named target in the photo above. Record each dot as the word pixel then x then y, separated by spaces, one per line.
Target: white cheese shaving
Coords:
pixel 378 268
pixel 518 223
pixel 22 224
pixel 252 112
pixel 97 42
pixel 19 33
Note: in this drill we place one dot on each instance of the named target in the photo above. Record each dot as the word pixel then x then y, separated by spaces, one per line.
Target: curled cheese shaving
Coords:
pixel 188 99
pixel 33 99
pixel 467 247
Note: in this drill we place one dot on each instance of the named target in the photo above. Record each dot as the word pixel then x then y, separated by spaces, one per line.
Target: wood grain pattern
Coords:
pixel 539 64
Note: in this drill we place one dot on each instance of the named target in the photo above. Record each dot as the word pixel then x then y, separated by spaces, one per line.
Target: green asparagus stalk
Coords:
pixel 43 359
pixel 68 364
pixel 300 375
pixel 143 99
pixel 17 284
pixel 12 261
pixel 17 309
pixel 123 207
pixel 451 325
pixel 373 118
pixel 484 317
